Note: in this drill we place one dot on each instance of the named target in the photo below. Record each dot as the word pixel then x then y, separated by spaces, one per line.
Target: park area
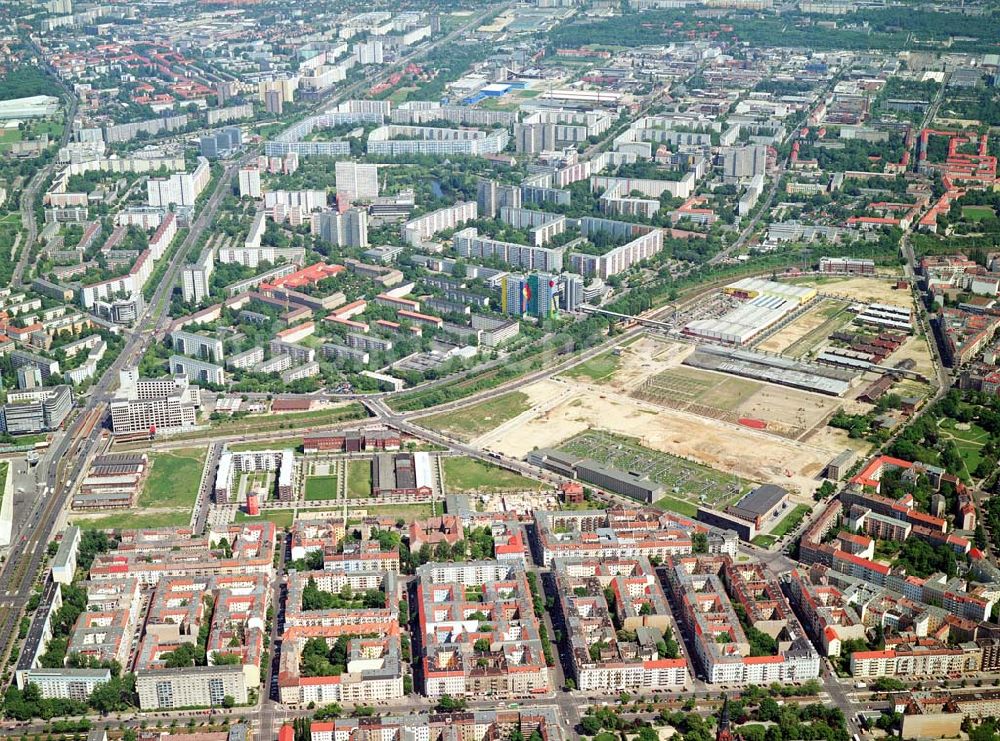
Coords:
pixel 689 483
pixel 968 437
pixel 463 474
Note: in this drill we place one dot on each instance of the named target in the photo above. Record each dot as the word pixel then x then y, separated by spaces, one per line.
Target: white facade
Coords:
pixel 181 188
pixel 196 279
pixel 356 180
pixel 424 227
pixel 249 182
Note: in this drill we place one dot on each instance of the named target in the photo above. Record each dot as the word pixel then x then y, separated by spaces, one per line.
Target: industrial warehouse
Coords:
pixel 767 303
pixel 772 369
pixel 886 317
pixel 629 485
pixel 750 515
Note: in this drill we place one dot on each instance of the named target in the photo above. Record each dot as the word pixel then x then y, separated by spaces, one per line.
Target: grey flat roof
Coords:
pixel 67 545
pixel 761 500
pixel 588 465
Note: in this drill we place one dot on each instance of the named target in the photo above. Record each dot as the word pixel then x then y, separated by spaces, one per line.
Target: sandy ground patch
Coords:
pixel 809 322
pixel 754 455
pixel 787 409
pixel 833 438
pixel 646 358
pixel 868 290
pixel 916 348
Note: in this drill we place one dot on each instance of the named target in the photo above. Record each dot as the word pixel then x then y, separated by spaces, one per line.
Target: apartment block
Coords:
pixel 479 630
pixel 604 659
pixel 703 590
pixel 623 532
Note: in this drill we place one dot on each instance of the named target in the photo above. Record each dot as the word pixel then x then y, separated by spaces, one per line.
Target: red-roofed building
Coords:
pixel 309 275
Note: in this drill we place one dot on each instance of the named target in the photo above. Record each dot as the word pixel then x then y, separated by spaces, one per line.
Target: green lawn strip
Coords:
pixel 280 517
pixel 764 541
pixel 173 479
pixel 321 487
pixel 290 420
pixel 134 519
pixel 270 444
pixel 469 474
pixel 22 440
pixel 597 369
pixel 791 521
pixel 677 505
pixel 473 421
pixel 359 479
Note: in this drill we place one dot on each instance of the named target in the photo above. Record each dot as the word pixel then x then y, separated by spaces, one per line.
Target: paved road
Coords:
pixel 269 704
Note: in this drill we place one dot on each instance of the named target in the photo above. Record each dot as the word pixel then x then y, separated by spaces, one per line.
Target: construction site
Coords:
pixel 759 411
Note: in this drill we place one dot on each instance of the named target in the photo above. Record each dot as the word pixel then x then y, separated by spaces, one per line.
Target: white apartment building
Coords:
pixel 357 180
pixel 196 279
pixel 424 227
pixel 181 188
pixel 249 182
pixel 199 686
pixel 149 404
pixel 370 52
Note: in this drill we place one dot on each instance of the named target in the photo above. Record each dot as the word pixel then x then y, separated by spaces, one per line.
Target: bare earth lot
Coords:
pixel 868 290
pixel 752 454
pixel 808 331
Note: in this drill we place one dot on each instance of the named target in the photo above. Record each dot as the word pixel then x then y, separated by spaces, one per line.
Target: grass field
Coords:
pixel 977 213
pixel 677 505
pixel 173 479
pixel 321 487
pixel 597 369
pixel 53 128
pixel 474 421
pixel 790 521
pixel 280 517
pixel 271 422
pixel 689 483
pixel 9 136
pixel 359 479
pixel 166 499
pixel 764 541
pixel 469 474
pixel 135 519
